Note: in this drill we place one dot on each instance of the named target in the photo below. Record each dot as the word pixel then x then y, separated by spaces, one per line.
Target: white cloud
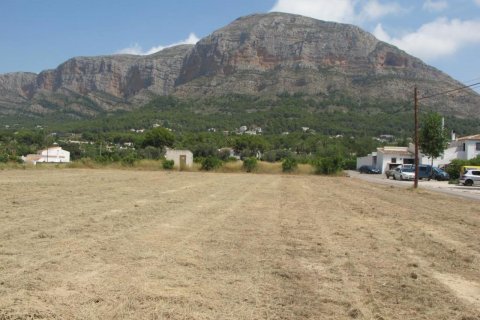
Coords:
pixel 137 49
pixel 436 39
pixel 477 2
pixel 373 9
pixel 346 11
pixel 339 10
pixel 432 5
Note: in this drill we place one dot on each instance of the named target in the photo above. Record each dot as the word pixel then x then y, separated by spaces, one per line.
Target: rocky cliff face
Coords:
pixel 258 54
pixel 88 85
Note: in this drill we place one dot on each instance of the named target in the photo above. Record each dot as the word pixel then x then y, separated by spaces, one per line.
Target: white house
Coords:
pixel 181 158
pixel 464 148
pixel 53 154
pixel 387 157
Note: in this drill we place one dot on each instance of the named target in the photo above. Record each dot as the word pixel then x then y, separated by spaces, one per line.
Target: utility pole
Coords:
pixel 415 183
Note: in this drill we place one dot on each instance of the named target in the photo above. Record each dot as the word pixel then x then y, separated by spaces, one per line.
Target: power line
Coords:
pixel 471 80
pixel 448 91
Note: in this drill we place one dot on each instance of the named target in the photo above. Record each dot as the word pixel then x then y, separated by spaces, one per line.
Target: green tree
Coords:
pixel 159 138
pixel 433 138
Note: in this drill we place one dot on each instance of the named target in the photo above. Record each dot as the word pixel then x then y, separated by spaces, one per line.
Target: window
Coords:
pixel 464 147
pixel 476 173
pixel 394 160
pixel 477 146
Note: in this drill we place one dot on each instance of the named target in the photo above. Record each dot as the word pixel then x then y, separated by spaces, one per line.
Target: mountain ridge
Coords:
pixel 260 54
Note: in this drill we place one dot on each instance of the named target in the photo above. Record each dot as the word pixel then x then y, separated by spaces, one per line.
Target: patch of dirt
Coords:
pixel 96 244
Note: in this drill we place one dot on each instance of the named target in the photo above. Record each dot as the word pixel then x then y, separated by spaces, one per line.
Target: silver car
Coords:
pixel 470 177
pixel 403 174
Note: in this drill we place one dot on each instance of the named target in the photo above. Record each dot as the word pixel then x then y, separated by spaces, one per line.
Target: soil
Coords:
pixel 120 244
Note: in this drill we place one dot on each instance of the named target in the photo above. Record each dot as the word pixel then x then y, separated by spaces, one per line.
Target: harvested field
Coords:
pixel 118 244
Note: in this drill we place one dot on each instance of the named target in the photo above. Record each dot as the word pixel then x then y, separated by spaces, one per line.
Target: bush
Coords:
pixel 250 164
pixel 453 168
pixel 4 157
pixel 350 164
pixel 168 164
pixel 328 165
pixel 211 163
pixel 129 160
pixel 289 165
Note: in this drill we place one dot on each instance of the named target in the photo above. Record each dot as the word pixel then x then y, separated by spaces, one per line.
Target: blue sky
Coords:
pixel 41 34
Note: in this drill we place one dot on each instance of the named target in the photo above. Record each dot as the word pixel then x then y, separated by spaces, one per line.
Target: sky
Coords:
pixel 41 34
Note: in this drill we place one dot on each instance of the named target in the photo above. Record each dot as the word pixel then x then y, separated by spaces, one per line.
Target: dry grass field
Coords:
pixel 124 244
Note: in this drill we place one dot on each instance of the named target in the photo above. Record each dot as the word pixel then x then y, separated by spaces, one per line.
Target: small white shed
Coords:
pixel 181 158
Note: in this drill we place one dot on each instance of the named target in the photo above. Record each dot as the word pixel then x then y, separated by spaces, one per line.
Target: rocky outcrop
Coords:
pixel 88 85
pixel 263 54
pixel 274 53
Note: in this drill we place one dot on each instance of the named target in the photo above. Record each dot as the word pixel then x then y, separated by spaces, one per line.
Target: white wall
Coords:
pixel 364 161
pixel 470 149
pixel 175 156
pixel 55 155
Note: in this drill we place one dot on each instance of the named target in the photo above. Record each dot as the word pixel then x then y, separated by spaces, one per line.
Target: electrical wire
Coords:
pixel 448 91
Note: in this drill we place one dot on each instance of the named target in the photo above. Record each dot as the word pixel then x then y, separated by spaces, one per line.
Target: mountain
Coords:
pixel 262 54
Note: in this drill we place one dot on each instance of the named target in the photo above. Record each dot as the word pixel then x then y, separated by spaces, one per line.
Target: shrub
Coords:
pixel 211 163
pixel 4 157
pixel 350 164
pixel 328 165
pixel 250 164
pixel 168 164
pixel 129 160
pixel 453 168
pixel 289 165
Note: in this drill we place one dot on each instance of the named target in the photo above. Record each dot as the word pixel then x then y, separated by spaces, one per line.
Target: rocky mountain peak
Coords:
pixel 260 54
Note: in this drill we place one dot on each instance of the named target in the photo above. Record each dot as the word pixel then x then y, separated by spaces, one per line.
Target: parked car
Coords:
pixel 389 173
pixel 401 173
pixel 428 172
pixel 424 171
pixel 470 177
pixel 440 175
pixel 368 169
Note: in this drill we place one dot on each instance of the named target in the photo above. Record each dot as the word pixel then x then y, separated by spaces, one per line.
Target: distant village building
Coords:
pixel 182 159
pixel 53 154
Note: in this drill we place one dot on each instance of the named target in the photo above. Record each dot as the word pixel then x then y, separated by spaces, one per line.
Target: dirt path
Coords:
pixel 99 244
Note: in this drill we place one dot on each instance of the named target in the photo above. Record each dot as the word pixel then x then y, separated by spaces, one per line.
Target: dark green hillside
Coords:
pixel 285 113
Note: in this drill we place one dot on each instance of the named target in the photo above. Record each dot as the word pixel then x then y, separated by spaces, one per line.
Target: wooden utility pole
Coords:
pixel 415 181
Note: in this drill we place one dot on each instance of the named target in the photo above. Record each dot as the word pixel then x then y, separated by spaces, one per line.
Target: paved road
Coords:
pixel 438 186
